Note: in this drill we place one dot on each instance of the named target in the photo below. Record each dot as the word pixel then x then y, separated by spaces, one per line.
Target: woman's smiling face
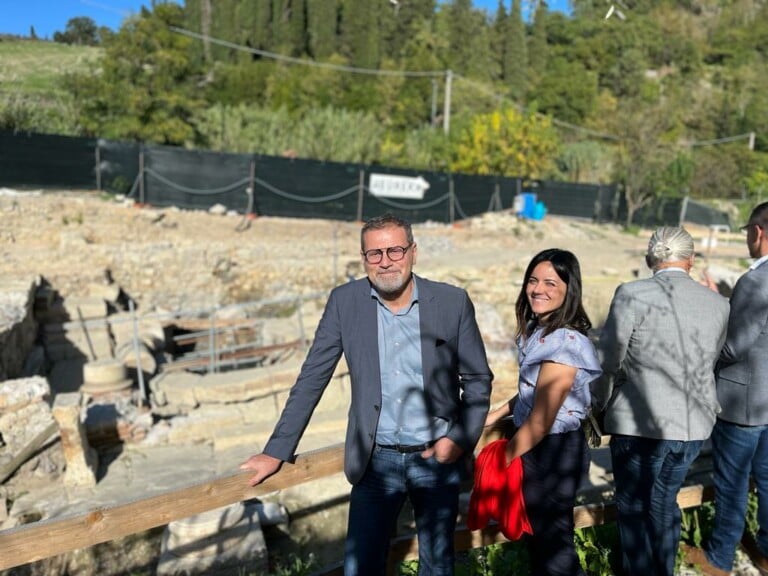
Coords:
pixel 545 290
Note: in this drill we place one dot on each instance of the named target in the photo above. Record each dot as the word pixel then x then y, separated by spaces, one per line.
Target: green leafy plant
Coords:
pixel 594 556
pixel 296 566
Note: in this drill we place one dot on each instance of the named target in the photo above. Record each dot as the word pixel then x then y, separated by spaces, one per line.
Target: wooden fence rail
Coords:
pixel 46 538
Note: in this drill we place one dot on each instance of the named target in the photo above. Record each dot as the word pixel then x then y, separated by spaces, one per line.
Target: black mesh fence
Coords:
pixel 306 188
pixel 118 168
pixel 578 200
pixel 45 160
pixel 194 179
pixel 276 186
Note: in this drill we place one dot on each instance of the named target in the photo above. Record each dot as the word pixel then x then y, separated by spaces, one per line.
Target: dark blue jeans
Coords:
pixel 648 474
pixel 737 452
pixel 376 501
pixel 552 473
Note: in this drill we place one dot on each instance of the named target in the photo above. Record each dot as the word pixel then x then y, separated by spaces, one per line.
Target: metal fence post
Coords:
pixel 137 352
pixel 141 175
pixel 683 210
pixel 360 190
pixel 98 166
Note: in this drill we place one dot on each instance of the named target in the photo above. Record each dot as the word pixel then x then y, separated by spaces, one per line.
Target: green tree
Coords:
pixel 537 45
pixel 146 89
pixel 360 32
pixel 467 50
pixel 641 155
pixel 297 28
pixel 568 91
pixel 516 53
pixel 322 16
pixel 507 143
pixel 498 38
pixel 80 30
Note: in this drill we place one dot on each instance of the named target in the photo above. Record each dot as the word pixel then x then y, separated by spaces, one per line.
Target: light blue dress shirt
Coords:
pixel 404 417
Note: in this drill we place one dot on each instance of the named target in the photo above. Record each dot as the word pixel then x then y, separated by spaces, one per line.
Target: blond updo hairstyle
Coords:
pixel 669 244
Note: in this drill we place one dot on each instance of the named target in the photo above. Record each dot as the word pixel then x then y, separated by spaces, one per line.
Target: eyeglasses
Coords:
pixel 746 226
pixel 394 253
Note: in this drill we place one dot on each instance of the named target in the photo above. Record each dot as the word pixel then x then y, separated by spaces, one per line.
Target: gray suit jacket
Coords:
pixel 660 343
pixel 742 373
pixel 457 378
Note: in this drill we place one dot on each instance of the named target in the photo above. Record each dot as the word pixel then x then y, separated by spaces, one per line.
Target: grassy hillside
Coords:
pixel 35 67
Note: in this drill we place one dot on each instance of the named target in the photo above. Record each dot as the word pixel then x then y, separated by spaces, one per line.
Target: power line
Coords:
pixel 311 63
pixel 748 135
pixel 448 74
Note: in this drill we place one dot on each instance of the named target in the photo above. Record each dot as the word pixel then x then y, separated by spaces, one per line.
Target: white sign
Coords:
pixel 390 186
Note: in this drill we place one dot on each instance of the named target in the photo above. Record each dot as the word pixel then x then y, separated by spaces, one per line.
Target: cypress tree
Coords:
pixel 516 53
pixel 537 47
pixel 322 18
pixel 360 32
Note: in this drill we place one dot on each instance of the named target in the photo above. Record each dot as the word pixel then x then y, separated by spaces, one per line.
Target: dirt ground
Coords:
pixel 175 260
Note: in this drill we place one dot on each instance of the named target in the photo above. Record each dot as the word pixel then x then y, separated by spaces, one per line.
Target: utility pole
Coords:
pixel 447 103
pixel 433 114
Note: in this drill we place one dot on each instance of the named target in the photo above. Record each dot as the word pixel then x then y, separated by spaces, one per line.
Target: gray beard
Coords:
pixel 390 289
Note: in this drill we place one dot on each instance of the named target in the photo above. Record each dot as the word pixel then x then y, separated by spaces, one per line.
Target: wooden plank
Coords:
pixel 10 465
pixel 47 538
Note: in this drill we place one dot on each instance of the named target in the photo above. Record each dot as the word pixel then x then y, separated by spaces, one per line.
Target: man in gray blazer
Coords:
pixel 660 343
pixel 740 437
pixel 420 393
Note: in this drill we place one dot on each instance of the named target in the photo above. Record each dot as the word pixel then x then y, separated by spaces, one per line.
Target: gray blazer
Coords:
pixel 659 345
pixel 457 378
pixel 742 373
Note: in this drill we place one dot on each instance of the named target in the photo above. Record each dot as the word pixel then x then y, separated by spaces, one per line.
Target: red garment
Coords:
pixel 497 493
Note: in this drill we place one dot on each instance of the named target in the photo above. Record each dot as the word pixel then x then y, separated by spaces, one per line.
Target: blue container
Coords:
pixel 527 205
pixel 539 211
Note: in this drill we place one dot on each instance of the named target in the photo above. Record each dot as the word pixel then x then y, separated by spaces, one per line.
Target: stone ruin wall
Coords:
pixel 18 329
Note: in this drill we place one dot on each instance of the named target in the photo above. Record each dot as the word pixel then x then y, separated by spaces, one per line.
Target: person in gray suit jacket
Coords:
pixel 421 389
pixel 660 343
pixel 740 437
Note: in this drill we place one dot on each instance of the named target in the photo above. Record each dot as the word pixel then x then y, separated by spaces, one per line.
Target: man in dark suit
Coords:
pixel 740 436
pixel 420 394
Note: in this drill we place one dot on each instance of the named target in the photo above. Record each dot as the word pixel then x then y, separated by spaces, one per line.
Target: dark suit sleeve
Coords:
pixel 747 319
pixel 306 393
pixel 475 379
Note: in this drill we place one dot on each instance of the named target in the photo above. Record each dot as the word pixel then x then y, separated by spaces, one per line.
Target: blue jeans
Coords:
pixel 375 504
pixel 648 474
pixel 737 451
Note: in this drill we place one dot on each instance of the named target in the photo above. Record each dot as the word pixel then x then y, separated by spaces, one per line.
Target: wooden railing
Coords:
pixel 46 538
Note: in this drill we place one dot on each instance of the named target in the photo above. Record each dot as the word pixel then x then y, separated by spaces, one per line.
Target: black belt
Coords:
pixel 407 449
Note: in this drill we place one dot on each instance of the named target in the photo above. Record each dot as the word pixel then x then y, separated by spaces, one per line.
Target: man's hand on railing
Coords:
pixel 263 465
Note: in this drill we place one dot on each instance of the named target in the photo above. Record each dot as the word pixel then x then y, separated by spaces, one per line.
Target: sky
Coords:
pixel 49 16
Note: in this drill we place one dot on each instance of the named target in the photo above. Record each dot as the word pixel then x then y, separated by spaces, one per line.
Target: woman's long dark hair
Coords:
pixel 571 314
